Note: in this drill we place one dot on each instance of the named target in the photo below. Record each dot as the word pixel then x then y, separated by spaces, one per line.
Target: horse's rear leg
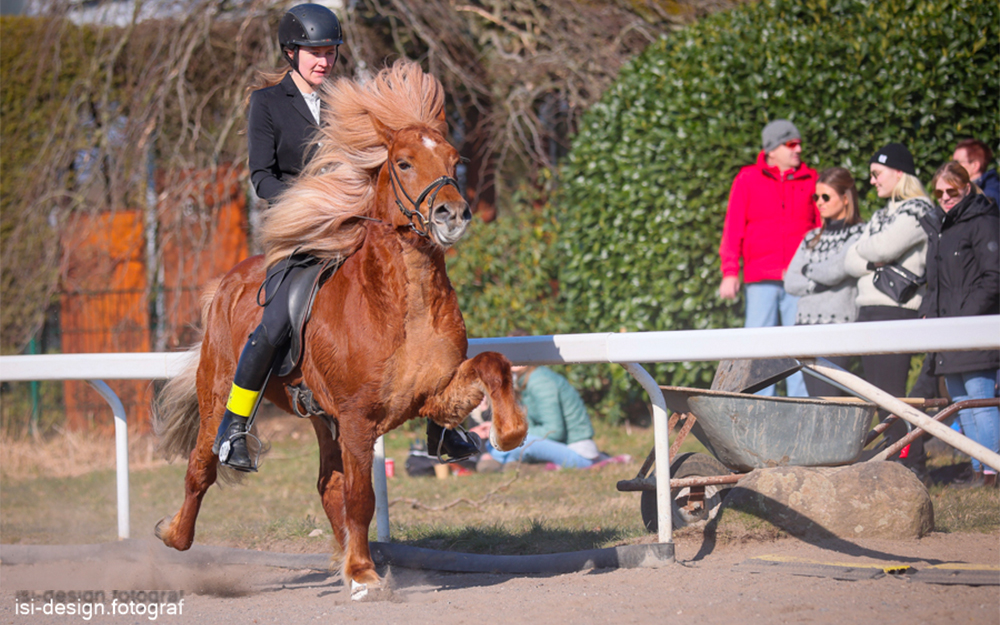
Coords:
pixel 331 481
pixel 178 531
pixel 489 371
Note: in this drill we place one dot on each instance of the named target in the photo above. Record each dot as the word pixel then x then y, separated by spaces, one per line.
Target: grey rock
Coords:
pixel 865 500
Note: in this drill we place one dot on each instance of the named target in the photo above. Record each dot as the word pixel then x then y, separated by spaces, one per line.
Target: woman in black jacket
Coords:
pixel 282 120
pixel 963 280
pixel 284 115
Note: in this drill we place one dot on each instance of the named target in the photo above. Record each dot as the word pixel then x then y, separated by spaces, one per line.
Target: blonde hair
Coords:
pixel 908 187
pixel 317 214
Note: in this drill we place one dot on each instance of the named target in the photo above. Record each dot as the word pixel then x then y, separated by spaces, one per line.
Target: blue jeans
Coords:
pixel 766 301
pixel 537 450
pixel 980 424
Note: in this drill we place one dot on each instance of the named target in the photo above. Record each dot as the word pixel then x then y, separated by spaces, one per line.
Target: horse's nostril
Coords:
pixel 441 214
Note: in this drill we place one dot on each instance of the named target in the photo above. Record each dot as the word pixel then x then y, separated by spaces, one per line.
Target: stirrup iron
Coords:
pixel 470 437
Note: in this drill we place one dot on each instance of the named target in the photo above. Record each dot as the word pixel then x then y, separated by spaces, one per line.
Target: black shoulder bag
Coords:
pixel 897 282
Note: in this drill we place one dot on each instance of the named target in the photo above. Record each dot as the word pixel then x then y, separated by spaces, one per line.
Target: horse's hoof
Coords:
pixel 161 529
pixel 369 592
pixel 500 445
pixel 164 530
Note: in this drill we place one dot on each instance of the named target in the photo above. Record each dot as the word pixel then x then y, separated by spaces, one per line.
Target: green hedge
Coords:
pixel 630 241
pixel 505 275
pixel 646 183
pixel 41 62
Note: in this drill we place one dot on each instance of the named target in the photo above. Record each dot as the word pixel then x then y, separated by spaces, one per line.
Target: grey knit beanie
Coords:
pixel 777 132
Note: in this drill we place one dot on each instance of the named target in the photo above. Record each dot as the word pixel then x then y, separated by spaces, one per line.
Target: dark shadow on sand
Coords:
pixel 791 522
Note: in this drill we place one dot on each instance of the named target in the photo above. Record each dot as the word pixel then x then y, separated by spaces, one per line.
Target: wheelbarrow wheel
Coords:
pixel 690 504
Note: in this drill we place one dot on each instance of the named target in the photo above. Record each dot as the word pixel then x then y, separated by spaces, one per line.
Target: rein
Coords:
pixel 432 190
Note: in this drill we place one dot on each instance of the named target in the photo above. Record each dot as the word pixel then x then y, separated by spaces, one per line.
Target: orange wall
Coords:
pixel 105 301
pixel 103 307
pixel 203 234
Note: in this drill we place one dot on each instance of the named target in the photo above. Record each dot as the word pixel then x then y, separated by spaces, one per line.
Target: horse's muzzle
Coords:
pixel 449 220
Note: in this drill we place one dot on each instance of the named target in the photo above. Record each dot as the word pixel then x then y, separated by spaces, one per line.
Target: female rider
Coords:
pixel 283 117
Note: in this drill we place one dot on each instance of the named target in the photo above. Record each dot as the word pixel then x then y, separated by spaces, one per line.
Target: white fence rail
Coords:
pixel 921 335
pixel 627 349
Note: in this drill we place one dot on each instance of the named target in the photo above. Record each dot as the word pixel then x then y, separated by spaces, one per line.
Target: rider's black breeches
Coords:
pixel 271 337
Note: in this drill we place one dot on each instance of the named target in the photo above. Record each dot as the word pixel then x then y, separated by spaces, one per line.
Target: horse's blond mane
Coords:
pixel 314 215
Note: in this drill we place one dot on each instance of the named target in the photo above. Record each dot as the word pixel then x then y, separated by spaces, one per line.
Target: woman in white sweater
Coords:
pixel 892 236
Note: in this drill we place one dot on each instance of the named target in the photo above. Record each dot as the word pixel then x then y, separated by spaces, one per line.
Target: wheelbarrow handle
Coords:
pixel 912 401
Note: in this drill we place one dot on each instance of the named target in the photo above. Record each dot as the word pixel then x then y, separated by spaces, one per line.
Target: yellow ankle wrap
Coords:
pixel 242 401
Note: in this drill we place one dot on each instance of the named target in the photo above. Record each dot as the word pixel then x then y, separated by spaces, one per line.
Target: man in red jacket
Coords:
pixel 770 209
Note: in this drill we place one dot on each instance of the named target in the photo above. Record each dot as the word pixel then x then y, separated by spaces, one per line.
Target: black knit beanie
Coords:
pixel 895 156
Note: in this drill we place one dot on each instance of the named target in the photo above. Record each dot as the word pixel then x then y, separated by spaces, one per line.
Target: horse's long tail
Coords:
pixel 176 417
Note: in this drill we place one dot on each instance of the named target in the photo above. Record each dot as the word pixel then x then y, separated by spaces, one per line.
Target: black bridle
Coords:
pixel 432 190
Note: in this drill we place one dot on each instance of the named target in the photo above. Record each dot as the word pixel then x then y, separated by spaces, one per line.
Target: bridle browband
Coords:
pixel 432 190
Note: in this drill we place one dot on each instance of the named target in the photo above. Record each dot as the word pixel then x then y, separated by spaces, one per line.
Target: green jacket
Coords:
pixel 555 410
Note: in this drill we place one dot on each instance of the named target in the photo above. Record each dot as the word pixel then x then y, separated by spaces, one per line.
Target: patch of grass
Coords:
pixel 739 526
pixel 526 511
pixel 966 509
pixel 68 453
pixel 529 511
pixel 527 536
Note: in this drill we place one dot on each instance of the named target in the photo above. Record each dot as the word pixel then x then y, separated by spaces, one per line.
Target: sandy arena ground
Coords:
pixel 785 581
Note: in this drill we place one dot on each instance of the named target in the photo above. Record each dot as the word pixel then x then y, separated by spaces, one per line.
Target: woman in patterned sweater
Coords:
pixel 893 235
pixel 827 293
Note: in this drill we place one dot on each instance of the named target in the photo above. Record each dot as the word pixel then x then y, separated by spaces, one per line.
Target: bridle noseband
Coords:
pixel 415 216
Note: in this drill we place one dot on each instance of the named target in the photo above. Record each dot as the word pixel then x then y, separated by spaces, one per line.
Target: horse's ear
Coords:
pixel 441 117
pixel 385 134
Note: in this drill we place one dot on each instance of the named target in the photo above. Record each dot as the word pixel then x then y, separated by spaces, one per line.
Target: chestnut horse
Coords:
pixel 386 341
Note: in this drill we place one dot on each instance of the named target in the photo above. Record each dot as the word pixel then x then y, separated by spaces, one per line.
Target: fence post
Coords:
pixel 664 501
pixel 381 491
pixel 121 453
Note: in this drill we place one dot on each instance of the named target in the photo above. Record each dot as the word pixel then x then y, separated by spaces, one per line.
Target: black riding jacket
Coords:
pixel 963 273
pixel 280 127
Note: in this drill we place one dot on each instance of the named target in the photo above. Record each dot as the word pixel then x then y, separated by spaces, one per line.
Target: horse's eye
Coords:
pixel 403 165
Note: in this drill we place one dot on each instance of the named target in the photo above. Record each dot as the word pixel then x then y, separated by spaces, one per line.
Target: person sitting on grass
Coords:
pixel 559 430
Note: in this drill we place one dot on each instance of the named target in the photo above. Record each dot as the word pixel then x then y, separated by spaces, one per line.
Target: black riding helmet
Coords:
pixel 309 25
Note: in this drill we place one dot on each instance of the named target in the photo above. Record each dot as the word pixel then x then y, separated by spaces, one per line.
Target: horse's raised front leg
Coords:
pixel 178 531
pixel 490 372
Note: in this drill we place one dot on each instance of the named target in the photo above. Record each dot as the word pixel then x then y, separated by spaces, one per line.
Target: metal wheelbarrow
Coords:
pixel 745 432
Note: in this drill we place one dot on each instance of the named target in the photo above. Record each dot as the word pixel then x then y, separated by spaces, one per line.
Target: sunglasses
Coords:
pixel 794 143
pixel 951 193
pixel 821 196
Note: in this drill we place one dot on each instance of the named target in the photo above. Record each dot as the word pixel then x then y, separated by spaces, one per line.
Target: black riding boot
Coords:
pixel 231 443
pixel 450 445
pixel 252 372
